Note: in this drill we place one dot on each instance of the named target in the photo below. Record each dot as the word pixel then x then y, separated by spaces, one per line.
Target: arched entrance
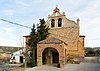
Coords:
pixel 50 56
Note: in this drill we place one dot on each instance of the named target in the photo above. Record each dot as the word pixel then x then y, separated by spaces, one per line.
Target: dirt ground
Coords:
pixel 90 64
pixel 19 68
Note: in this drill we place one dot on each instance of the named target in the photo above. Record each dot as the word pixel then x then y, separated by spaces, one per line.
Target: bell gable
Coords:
pixel 59 20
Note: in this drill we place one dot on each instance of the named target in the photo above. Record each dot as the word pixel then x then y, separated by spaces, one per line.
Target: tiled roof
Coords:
pixel 51 41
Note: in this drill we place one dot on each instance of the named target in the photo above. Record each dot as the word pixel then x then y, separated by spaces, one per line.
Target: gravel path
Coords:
pixel 69 67
pixel 92 65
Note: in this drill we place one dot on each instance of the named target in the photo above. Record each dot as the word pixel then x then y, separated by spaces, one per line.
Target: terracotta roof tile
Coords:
pixel 51 41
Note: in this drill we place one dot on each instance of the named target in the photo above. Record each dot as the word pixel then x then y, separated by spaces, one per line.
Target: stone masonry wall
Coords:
pixel 69 35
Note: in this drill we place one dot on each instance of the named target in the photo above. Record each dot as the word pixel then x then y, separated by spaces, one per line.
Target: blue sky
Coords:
pixel 27 12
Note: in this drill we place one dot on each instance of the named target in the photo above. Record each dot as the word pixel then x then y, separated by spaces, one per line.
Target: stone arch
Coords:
pixel 52 23
pixel 58 47
pixel 60 22
pixel 50 55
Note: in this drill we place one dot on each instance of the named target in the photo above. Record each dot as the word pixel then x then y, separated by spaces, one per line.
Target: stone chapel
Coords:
pixel 63 40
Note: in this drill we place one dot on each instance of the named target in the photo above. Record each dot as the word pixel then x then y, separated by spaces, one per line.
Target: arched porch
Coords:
pixel 51 51
pixel 50 56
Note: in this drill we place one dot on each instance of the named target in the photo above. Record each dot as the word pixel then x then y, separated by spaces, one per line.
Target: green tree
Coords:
pixel 33 37
pixel 42 30
pixel 36 36
pixel 97 52
pixel 32 43
pixel 90 51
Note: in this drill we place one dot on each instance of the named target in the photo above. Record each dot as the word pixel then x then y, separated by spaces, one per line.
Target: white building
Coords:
pixel 18 57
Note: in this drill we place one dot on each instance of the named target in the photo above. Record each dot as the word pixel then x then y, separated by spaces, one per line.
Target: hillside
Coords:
pixel 94 51
pixel 9 49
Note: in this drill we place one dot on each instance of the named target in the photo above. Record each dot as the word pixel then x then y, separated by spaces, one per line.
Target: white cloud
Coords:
pixel 8 12
pixel 22 3
pixel 9 36
pixel 90 23
pixel 28 12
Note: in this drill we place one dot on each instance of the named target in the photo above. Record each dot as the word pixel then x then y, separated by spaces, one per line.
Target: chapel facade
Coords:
pixel 64 40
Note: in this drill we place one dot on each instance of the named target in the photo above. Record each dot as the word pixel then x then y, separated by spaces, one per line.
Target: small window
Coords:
pixel 59 22
pixel 52 23
pixel 13 57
